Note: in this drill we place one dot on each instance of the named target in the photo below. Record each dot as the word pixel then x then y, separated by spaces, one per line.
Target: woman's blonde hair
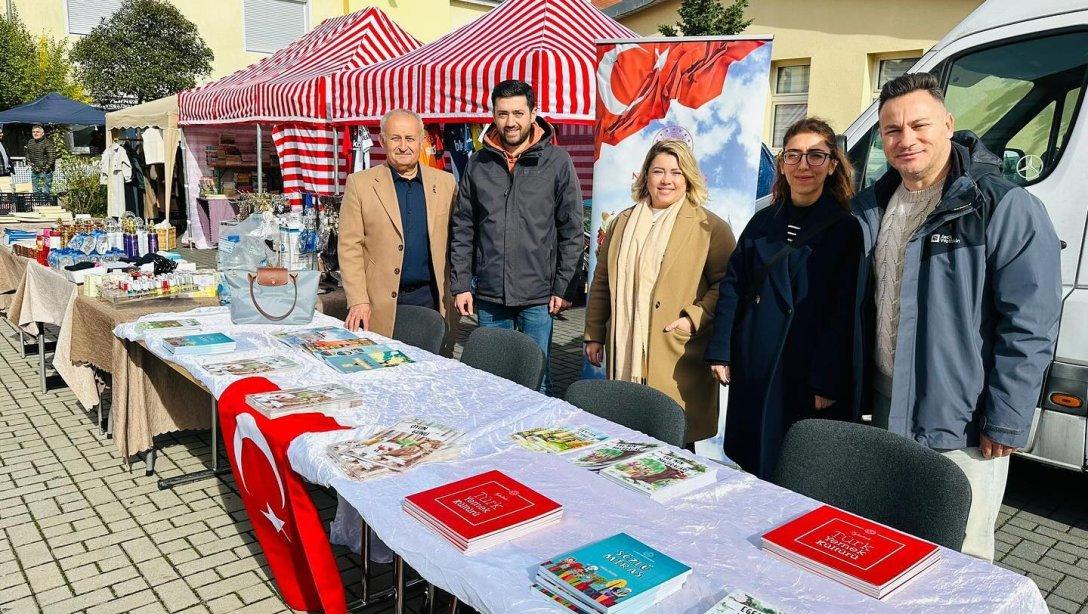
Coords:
pixel 697 193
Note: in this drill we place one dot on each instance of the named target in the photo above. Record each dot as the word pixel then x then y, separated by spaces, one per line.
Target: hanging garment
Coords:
pixel 153 147
pixel 458 141
pixel 134 188
pixel 434 152
pixel 363 145
pixel 115 171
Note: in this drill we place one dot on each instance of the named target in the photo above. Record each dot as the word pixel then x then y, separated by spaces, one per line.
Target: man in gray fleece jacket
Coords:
pixel 959 297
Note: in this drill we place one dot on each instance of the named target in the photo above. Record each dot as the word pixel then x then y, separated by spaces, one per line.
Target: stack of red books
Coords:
pixel 482 511
pixel 864 555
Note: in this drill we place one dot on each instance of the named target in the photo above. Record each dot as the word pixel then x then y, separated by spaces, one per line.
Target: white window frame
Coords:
pixel 307 16
pixel 877 59
pixel 778 99
pixel 68 20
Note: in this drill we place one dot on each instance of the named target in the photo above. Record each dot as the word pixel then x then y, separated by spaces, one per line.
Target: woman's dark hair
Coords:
pixel 839 184
pixel 511 88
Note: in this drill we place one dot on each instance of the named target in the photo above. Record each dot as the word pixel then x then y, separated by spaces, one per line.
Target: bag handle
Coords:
pixel 257 306
pixel 805 237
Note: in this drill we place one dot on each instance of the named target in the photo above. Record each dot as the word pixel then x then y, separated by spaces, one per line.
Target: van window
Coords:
pixel 1021 97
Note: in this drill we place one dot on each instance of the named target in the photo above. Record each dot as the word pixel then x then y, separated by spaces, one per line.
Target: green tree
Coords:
pixel 53 71
pixel 17 60
pixel 145 50
pixel 708 18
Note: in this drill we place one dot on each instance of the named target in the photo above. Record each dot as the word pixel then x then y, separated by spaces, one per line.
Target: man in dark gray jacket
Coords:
pixel 959 294
pixel 516 238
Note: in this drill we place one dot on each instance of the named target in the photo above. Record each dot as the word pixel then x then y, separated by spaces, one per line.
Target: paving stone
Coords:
pixel 1073 589
pixel 1062 605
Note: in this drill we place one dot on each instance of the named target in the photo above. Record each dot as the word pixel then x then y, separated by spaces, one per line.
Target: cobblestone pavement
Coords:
pixel 79 531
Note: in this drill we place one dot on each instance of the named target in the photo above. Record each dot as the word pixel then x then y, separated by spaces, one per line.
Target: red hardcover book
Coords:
pixel 481 505
pixel 860 553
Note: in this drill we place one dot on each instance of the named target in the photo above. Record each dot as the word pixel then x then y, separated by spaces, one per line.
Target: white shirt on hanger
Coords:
pixel 153 146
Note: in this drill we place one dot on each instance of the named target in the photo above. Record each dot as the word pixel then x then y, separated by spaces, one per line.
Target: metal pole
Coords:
pixel 364 552
pixel 215 435
pixel 41 356
pixel 398 584
pixel 260 162
pixel 336 159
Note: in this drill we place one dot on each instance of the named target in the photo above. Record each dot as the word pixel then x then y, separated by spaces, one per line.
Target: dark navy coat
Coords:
pixel 789 339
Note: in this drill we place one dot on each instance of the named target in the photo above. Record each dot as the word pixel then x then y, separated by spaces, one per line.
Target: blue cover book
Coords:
pixel 613 574
pixel 207 343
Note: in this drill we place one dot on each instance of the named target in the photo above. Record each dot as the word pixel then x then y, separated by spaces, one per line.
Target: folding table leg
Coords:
pixel 41 357
pixel 398 584
pixel 149 460
pixel 364 552
pixel 213 471
pixel 22 342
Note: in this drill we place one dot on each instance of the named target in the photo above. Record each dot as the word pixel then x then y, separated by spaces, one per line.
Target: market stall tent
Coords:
pixel 293 84
pixel 161 114
pixel 547 43
pixel 54 109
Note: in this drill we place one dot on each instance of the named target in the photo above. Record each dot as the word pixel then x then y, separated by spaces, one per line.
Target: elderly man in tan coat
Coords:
pixel 394 231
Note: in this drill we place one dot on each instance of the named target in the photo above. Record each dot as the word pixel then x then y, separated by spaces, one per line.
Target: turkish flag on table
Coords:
pixel 636 83
pixel 279 507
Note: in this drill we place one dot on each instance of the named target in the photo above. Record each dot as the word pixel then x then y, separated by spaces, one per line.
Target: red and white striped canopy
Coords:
pixel 548 43
pixel 293 83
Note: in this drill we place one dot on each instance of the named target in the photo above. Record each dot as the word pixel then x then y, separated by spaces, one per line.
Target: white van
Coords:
pixel 1014 72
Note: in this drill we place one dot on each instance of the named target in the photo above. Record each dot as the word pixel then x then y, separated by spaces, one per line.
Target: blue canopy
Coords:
pixel 54 109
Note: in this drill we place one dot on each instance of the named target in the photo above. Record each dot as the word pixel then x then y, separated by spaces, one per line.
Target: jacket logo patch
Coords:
pixel 945 239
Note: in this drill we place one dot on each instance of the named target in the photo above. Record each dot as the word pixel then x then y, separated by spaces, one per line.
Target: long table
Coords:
pixel 715 530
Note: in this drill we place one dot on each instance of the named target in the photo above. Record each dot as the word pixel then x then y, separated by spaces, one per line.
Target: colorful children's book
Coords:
pixel 168 326
pixel 864 555
pixel 301 338
pixel 611 452
pixel 619 573
pixel 662 474
pixel 349 463
pixel 740 602
pixel 322 398
pixel 406 444
pixel 482 510
pixel 198 345
pixel 381 357
pixel 262 365
pixel 349 363
pixel 559 440
pixel 340 347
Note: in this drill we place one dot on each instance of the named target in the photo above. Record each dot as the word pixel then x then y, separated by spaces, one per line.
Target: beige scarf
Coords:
pixel 642 248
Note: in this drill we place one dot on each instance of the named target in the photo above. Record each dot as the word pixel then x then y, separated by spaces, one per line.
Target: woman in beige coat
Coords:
pixel 656 285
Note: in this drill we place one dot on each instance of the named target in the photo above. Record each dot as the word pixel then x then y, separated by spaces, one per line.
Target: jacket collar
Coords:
pixel 970 161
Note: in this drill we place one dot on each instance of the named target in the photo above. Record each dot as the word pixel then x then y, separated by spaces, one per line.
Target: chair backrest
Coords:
pixel 635 406
pixel 879 475
pixel 420 327
pixel 506 353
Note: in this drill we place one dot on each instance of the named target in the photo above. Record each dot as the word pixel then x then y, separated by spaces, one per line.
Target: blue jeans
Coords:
pixel 533 320
pixel 42 182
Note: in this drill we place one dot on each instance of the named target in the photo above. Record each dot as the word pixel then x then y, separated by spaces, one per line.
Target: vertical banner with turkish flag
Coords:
pixel 709 92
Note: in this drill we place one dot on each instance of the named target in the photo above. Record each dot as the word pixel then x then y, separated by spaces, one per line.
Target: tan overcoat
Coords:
pixel 694 263
pixel 371 244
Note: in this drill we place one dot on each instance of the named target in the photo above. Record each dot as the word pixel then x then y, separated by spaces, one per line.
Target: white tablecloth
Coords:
pixel 716 530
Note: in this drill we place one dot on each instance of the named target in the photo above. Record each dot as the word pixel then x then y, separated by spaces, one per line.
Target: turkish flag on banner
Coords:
pixel 636 83
pixel 279 507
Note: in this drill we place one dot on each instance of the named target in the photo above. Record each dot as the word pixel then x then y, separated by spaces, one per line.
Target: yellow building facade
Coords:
pixel 829 57
pixel 223 23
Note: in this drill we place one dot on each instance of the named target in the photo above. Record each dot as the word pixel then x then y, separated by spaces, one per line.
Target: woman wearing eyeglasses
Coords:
pixel 784 318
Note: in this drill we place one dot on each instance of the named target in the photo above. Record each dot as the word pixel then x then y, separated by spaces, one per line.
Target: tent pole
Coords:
pixel 260 163
pixel 336 159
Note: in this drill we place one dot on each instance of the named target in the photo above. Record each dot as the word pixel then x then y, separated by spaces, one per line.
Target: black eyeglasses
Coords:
pixel 814 157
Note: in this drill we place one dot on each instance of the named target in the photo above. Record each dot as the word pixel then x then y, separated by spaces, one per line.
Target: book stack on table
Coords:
pixel 482 511
pixel 662 474
pixel 616 574
pixel 864 555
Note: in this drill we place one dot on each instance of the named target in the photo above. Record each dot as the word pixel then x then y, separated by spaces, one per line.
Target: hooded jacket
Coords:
pixel 518 232
pixel 979 306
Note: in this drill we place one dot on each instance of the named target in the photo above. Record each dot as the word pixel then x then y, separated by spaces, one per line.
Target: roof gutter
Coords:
pixel 625 8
